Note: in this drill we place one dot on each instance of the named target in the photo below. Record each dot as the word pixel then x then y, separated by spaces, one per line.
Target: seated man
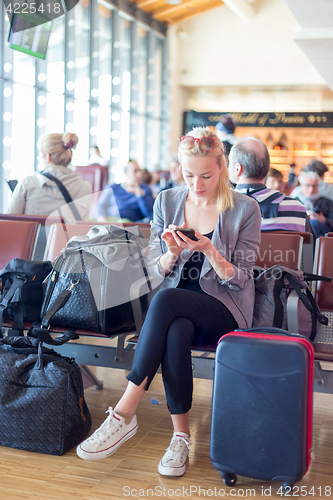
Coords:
pixel 248 166
pixel 130 201
pixel 319 208
pixel 325 188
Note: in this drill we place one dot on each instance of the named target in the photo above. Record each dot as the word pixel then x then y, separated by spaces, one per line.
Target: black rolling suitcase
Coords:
pixel 262 406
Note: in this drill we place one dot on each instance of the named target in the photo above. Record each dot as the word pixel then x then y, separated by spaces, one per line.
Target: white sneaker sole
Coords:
pixel 98 455
pixel 171 471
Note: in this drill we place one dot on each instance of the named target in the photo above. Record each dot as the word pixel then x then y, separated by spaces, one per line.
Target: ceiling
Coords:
pixel 168 13
pixel 314 35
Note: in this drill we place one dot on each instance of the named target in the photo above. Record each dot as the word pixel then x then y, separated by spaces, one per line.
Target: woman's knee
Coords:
pixel 181 334
pixel 164 296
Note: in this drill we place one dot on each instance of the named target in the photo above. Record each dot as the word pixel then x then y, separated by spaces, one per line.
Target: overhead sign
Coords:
pixel 278 119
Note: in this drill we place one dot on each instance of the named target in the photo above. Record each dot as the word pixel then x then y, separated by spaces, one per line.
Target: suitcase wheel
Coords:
pixel 229 479
pixel 287 488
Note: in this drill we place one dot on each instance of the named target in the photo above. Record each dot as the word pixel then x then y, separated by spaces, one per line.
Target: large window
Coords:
pixel 102 79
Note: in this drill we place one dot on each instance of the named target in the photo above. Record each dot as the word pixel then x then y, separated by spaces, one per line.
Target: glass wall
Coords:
pixel 102 79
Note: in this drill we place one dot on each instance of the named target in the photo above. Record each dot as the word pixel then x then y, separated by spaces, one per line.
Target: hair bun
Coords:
pixel 69 140
pixel 69 144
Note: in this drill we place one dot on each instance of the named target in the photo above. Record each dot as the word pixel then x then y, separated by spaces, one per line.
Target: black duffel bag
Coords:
pixel 22 292
pixel 95 279
pixel 42 405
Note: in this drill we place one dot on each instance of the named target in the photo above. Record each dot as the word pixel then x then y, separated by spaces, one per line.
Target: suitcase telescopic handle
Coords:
pixel 269 329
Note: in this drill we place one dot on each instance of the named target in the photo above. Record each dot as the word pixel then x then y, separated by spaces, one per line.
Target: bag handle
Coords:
pixel 45 336
pixel 42 331
pixel 316 277
pixel 16 285
pixel 65 194
pixel 269 329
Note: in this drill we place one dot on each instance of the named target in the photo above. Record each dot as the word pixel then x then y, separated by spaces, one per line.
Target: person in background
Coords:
pixel 319 208
pixel 147 178
pixel 38 195
pixel 292 177
pixel 207 290
pixel 155 184
pixel 227 148
pixel 274 179
pixel 176 174
pixel 249 164
pixel 96 157
pixel 132 200
pixel 225 129
pixel 325 188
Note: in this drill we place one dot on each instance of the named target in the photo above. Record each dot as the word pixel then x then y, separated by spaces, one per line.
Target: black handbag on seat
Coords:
pixel 22 292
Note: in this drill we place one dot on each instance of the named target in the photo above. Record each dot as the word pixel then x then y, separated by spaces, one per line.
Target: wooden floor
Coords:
pixel 132 471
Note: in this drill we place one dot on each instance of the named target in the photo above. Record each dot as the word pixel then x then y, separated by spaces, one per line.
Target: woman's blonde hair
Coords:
pixel 225 197
pixel 59 146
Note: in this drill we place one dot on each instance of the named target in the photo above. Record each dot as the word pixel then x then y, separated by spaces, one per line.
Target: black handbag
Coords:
pixel 100 292
pixel 22 292
pixel 42 405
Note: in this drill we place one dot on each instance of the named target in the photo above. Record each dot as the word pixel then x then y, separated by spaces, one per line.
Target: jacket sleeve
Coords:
pixel 17 200
pixel 156 245
pixel 245 253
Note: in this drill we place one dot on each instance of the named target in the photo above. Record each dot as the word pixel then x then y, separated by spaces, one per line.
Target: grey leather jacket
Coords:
pixel 236 237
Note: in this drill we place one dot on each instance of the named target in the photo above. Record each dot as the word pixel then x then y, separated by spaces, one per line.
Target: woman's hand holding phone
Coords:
pixel 186 238
pixel 190 233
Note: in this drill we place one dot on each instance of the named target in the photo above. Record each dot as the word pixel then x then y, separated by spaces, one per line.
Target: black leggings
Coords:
pixel 176 320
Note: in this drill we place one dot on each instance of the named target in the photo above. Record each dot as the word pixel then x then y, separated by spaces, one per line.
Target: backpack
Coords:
pixel 274 288
pixel 95 279
pixel 22 292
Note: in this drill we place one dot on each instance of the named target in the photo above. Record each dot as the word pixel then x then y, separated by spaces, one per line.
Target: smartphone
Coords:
pixel 188 232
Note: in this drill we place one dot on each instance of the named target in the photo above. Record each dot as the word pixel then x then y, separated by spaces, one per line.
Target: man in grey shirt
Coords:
pixel 325 188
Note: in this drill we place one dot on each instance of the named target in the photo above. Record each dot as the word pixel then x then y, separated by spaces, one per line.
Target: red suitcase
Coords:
pixel 262 406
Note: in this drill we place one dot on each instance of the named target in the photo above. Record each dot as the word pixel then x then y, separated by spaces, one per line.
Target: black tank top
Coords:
pixel 191 271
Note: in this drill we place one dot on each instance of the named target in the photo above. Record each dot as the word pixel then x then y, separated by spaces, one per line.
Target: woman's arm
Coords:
pixel 163 250
pixel 245 252
pixel 233 265
pixel 221 266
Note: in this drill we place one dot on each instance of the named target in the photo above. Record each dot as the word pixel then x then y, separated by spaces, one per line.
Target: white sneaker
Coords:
pixel 173 462
pixel 108 437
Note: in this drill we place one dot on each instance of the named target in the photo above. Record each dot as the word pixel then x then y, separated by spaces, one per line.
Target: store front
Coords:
pixel 290 137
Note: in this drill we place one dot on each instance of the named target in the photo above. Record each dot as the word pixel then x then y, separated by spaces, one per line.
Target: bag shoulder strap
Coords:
pixel 311 305
pixel 65 194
